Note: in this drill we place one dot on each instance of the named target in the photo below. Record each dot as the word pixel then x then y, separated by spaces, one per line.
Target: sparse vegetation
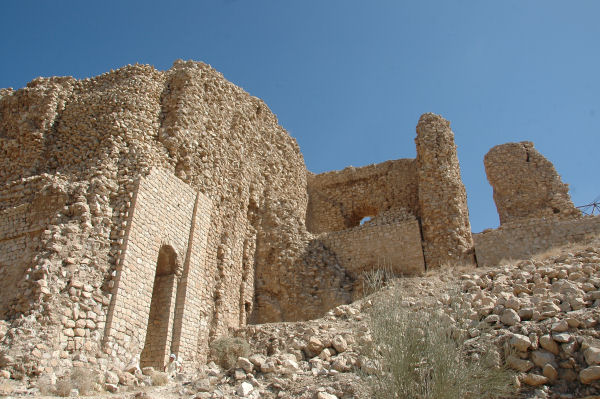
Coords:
pixel 159 378
pixel 226 350
pixel 82 379
pixel 375 279
pixel 63 387
pixel 421 355
pixel 45 385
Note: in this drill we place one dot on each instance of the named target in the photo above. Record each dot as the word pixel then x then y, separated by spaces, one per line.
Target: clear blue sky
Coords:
pixel 349 79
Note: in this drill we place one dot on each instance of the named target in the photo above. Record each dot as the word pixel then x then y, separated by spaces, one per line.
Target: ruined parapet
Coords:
pixel 530 237
pixel 525 184
pixel 442 197
pixel 339 200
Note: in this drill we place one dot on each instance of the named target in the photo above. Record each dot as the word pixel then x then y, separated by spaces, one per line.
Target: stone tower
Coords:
pixel 442 197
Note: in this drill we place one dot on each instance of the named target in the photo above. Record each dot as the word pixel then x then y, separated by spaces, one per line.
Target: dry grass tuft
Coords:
pixel 63 387
pixel 45 385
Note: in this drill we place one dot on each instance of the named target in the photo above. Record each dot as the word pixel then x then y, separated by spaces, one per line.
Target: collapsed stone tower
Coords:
pixel 147 212
pixel 144 212
pixel 526 185
pixel 442 196
pixel 535 209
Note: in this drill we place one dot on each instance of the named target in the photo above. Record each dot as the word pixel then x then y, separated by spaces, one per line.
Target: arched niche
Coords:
pixel 161 319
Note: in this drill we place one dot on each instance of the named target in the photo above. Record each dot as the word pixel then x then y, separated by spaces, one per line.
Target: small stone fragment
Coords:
pixel 520 342
pixel 548 343
pixel 592 355
pixel 540 358
pixel 518 364
pixel 550 372
pixel 339 344
pixel 244 389
pixel 510 317
pixel 560 326
pixel 589 375
pixel 535 379
pixel 244 364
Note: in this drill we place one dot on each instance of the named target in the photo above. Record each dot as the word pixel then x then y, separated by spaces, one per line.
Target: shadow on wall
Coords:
pixel 161 319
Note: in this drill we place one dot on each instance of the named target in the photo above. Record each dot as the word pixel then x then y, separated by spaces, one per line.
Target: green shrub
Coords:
pixel 225 351
pixel 421 355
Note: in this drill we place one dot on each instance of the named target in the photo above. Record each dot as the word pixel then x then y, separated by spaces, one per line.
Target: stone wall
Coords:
pixel 429 188
pixel 395 247
pixel 525 184
pixel 94 138
pixel 338 200
pixel 166 212
pixel 521 240
pixel 442 197
pixel 27 207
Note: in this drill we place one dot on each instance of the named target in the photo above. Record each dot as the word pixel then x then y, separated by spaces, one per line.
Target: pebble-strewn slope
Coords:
pixel 541 316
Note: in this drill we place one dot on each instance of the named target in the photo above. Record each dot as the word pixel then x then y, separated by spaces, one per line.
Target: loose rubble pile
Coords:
pixel 545 313
pixel 542 316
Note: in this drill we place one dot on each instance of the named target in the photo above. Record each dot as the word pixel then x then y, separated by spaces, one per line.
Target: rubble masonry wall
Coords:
pixel 27 207
pixel 338 200
pixel 94 138
pixel 521 240
pixel 526 184
pixel 442 196
pixel 396 247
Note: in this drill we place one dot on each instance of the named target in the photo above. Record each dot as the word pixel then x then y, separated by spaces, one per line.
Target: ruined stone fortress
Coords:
pixel 144 213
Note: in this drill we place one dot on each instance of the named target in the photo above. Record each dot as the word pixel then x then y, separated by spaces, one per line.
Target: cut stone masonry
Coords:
pixel 147 212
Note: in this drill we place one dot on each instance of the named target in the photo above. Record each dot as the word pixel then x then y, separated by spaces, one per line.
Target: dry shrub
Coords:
pixel 63 387
pixel 421 355
pixel 6 388
pixel 375 279
pixel 226 350
pixel 83 379
pixel 45 385
pixel 159 378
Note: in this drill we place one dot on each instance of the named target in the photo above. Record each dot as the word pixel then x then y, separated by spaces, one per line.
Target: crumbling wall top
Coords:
pixel 526 184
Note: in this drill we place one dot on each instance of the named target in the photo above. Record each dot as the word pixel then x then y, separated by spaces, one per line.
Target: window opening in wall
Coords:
pixel 366 219
pixel 162 310
pixel 361 215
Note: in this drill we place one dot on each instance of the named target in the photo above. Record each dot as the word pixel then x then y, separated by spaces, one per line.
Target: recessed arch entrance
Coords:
pixel 159 333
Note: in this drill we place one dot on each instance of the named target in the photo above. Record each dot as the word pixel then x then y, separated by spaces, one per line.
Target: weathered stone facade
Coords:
pixel 526 184
pixel 535 209
pixel 442 196
pixel 532 236
pixel 147 212
pixel 428 189
pixel 82 229
pixel 338 200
